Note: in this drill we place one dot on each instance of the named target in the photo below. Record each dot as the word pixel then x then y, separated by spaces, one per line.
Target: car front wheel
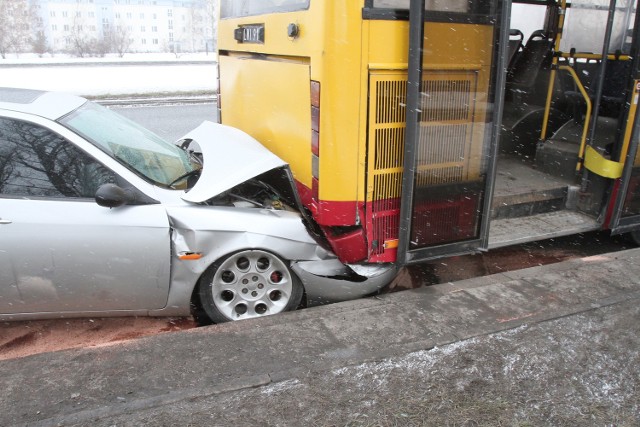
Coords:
pixel 247 284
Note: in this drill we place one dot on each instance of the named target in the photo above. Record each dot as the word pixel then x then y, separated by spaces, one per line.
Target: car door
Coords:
pixel 59 250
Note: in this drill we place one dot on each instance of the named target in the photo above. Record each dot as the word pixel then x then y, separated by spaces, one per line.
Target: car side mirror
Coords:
pixel 113 196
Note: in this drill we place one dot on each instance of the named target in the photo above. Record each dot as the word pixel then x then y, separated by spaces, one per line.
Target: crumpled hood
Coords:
pixel 230 157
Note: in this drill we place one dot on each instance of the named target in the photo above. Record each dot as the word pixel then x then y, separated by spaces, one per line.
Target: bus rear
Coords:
pixel 323 85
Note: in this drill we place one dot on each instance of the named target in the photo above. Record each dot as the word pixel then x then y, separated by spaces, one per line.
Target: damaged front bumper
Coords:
pixel 327 281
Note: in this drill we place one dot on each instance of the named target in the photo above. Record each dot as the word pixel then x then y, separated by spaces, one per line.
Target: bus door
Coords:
pixel 625 214
pixel 619 165
pixel 454 106
pixel 626 208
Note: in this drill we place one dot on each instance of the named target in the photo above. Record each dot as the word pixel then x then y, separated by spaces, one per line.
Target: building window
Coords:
pixel 66 27
pixel 169 12
pixel 129 15
pixel 170 37
pixel 142 16
pixel 155 41
pixel 54 27
pixel 144 41
pixel 142 29
pixel 118 15
pixel 154 29
pixel 53 13
pixel 170 25
pixel 65 14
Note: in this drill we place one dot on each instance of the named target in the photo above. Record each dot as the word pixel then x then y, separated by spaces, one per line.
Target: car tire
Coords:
pixel 247 284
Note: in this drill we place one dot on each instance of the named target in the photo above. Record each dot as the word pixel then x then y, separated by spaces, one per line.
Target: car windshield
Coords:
pixel 156 160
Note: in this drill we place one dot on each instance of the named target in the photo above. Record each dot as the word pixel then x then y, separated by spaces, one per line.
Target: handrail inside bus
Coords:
pixel 547 108
pixel 587 100
pixel 596 56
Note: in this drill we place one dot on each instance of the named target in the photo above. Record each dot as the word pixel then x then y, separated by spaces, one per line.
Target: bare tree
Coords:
pixel 15 29
pixel 120 40
pixel 39 43
pixel 202 18
pixel 81 40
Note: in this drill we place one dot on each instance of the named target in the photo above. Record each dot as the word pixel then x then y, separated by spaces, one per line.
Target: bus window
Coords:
pixel 432 5
pixel 592 14
pixel 239 8
pixel 527 18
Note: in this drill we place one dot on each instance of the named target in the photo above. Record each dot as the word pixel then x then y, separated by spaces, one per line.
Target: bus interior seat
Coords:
pixel 515 47
pixel 613 90
pixel 615 87
pixel 536 55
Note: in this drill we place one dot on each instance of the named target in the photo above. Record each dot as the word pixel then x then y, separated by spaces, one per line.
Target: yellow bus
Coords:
pixel 390 113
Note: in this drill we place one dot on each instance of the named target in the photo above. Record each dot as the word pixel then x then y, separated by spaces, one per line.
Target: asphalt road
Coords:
pixel 170 121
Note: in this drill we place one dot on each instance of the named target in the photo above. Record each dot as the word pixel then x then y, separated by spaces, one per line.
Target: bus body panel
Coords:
pixel 332 184
pixel 254 94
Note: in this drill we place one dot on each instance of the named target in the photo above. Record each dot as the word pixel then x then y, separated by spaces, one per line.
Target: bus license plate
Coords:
pixel 253 33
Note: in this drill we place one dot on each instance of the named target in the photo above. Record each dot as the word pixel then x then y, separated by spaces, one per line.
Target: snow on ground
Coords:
pixel 133 74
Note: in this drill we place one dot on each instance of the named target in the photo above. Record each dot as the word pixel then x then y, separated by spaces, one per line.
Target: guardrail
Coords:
pixel 169 100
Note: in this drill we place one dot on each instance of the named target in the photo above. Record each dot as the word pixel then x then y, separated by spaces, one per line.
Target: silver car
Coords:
pixel 101 217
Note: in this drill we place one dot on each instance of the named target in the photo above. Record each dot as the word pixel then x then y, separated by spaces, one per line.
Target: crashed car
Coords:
pixel 101 217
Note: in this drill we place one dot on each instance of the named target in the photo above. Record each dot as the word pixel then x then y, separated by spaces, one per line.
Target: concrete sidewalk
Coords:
pixel 550 345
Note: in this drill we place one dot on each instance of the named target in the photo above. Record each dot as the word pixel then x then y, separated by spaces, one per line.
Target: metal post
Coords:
pixel 599 85
pixel 416 41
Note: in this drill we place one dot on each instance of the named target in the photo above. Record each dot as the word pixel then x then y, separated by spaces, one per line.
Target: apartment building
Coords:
pixel 126 25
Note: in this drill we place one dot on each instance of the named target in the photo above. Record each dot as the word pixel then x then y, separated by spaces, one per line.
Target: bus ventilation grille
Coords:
pixel 446 121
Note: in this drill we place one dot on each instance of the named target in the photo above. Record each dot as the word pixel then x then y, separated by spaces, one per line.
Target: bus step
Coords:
pixel 558 158
pixel 522 190
pixel 510 231
pixel 519 205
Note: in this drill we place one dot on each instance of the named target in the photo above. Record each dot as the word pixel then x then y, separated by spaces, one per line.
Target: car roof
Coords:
pixel 51 105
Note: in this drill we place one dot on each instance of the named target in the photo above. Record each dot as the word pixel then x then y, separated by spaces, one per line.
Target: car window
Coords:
pixel 145 153
pixel 35 161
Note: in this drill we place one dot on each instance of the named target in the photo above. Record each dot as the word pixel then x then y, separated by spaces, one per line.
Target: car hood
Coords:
pixel 230 157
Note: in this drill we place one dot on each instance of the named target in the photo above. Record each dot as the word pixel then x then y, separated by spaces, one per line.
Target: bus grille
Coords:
pixel 446 121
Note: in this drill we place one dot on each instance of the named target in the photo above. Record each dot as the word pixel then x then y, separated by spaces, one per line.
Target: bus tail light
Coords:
pixel 315 138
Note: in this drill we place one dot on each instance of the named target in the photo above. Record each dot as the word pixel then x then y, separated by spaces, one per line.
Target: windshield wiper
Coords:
pixel 184 176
